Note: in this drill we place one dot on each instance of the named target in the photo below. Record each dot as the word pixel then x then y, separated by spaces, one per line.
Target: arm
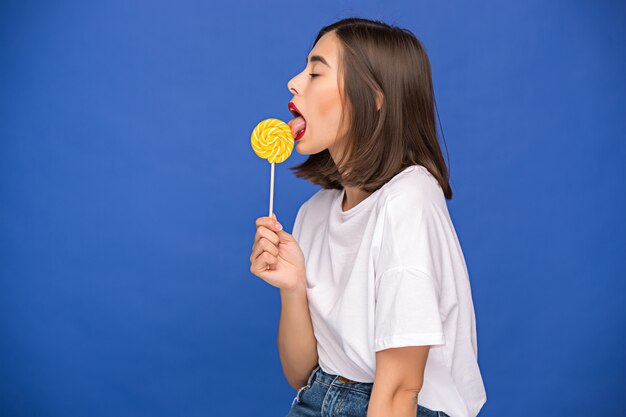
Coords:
pixel 296 342
pixel 397 382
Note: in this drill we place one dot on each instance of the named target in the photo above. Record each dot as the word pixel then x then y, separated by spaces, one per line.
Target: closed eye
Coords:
pixel 314 75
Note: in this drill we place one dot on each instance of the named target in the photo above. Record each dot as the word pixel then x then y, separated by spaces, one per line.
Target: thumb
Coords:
pixel 285 236
pixel 282 234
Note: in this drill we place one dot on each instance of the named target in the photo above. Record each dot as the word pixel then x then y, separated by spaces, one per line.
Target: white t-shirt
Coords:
pixel 390 272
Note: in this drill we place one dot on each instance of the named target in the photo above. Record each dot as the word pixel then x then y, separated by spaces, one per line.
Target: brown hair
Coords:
pixel 380 144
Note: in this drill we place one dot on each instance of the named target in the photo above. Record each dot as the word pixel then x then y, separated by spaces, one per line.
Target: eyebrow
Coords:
pixel 318 58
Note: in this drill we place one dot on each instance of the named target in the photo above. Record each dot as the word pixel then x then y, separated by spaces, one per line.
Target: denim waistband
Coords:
pixel 320 376
pixel 337 380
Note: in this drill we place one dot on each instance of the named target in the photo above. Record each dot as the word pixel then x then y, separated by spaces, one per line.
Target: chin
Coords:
pixel 300 149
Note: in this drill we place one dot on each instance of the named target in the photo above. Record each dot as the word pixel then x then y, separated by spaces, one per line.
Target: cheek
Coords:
pixel 329 109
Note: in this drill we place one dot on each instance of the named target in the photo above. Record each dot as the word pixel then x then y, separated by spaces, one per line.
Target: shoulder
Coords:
pixel 413 188
pixel 411 226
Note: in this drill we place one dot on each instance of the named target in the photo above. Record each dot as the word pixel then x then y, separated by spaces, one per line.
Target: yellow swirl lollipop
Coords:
pixel 272 140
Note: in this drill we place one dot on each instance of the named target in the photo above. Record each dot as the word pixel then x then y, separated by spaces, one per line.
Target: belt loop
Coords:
pixel 312 374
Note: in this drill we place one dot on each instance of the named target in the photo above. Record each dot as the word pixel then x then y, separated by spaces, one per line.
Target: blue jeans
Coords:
pixel 329 395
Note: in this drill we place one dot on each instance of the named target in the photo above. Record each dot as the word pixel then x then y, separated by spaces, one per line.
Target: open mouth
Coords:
pixel 298 124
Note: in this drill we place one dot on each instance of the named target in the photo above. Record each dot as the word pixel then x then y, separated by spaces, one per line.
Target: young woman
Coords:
pixel 377 317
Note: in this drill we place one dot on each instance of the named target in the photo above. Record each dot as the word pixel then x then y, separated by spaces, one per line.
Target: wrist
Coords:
pixel 298 290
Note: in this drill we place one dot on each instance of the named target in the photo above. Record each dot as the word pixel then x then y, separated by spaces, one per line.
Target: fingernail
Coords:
pixel 278 226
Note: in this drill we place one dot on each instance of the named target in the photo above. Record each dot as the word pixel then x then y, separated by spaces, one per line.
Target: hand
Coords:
pixel 277 257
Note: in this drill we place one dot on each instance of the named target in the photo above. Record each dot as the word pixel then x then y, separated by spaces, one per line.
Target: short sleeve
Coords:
pixel 407 310
pixel 414 231
pixel 407 268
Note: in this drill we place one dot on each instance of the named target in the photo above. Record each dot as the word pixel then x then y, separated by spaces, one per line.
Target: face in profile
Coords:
pixel 316 94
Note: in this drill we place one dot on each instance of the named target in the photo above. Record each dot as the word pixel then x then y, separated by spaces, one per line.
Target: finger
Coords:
pixel 263 261
pixel 285 236
pixel 263 245
pixel 268 222
pixel 270 235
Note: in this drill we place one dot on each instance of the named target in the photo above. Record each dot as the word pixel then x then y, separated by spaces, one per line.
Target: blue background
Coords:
pixel 129 194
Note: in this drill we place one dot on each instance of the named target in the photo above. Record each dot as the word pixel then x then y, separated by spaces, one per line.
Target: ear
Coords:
pixel 379 99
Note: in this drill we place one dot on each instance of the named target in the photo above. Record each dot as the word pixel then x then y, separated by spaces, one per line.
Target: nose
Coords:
pixel 291 85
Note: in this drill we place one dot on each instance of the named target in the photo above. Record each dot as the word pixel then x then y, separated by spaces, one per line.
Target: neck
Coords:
pixel 352 197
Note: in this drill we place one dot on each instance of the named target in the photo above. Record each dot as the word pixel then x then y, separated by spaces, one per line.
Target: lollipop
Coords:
pixel 272 140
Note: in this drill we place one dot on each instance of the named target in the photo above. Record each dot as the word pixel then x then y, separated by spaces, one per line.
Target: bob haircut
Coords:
pixel 376 57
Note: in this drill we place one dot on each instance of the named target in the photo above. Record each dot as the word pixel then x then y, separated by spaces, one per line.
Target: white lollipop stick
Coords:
pixel 272 189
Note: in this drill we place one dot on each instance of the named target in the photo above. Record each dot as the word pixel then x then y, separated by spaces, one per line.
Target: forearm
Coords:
pixel 399 404
pixel 296 342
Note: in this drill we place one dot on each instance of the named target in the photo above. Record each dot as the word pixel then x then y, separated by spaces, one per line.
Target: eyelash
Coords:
pixel 314 75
